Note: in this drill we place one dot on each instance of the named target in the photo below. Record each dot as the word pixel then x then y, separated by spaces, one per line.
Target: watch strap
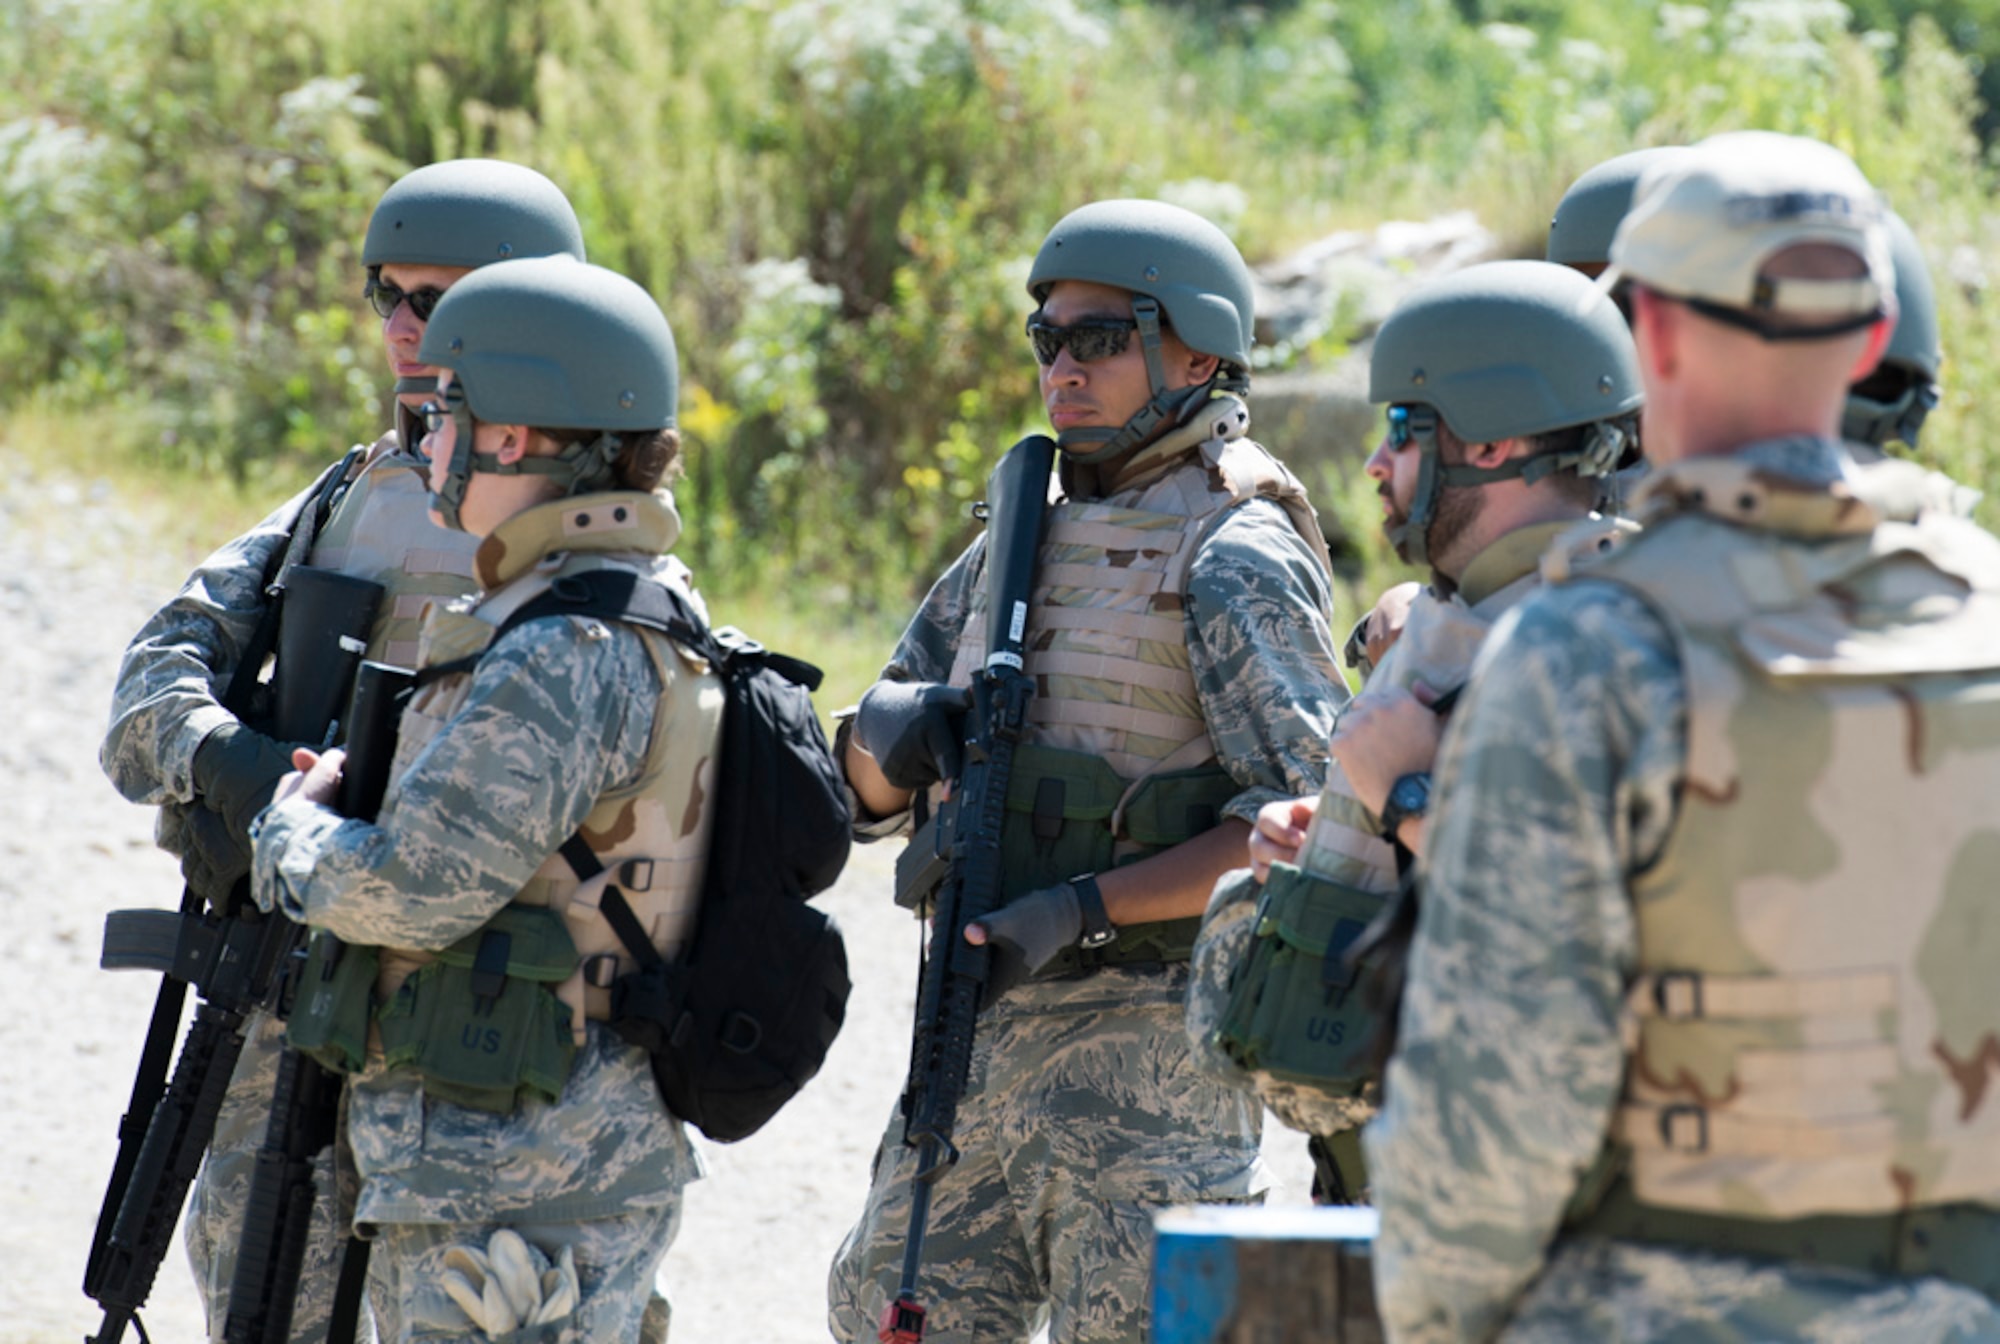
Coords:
pixel 1097 926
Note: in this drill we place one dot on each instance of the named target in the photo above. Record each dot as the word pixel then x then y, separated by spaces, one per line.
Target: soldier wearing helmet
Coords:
pixel 1701 959
pixel 1889 404
pixel 171 742
pixel 1588 215
pixel 549 435
pixel 1178 634
pixel 1886 406
pixel 1511 387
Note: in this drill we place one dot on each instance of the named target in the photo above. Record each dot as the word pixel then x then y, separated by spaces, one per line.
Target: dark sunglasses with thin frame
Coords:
pixel 384 298
pixel 1089 340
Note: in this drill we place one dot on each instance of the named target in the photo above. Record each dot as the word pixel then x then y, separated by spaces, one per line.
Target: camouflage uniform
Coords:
pixel 167 699
pixel 1562 783
pixel 557 715
pixel 1083 1113
pixel 1344 843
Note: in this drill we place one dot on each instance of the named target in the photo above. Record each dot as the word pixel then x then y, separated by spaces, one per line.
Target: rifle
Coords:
pixel 237 958
pixel 966 838
pixel 305 1101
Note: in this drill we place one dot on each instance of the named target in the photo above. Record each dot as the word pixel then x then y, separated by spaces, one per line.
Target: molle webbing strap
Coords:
pixel 1118 718
pixel 409 606
pixel 1067 531
pixel 1697 1130
pixel 429 560
pixel 1680 996
pixel 1130 625
pixel 1110 667
pixel 1099 578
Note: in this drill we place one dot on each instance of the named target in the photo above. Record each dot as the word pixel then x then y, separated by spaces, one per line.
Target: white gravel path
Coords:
pixel 77 577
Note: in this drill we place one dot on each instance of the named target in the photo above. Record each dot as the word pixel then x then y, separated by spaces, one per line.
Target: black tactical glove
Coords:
pixel 236 770
pixel 1028 933
pixel 914 729
pixel 215 858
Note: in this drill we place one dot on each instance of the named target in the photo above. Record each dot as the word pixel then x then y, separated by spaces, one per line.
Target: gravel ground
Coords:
pixel 77 578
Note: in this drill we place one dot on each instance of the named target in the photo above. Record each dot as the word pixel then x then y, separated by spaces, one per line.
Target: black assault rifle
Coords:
pixel 235 957
pixel 961 847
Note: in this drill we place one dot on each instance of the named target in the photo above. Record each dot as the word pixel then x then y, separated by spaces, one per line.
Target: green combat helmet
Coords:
pixel 1589 212
pixel 467 212
pixel 1497 351
pixel 551 343
pixel 1890 404
pixel 1183 272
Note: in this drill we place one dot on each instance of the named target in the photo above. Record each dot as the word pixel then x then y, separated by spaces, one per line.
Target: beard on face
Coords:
pixel 1456 509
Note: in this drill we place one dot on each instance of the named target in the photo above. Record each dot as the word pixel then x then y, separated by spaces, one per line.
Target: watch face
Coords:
pixel 1411 794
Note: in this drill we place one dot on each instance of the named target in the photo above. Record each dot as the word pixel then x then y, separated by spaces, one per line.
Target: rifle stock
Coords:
pixel 967 838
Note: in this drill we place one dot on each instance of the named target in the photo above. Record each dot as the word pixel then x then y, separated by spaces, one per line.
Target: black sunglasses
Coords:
pixel 384 298
pixel 1090 340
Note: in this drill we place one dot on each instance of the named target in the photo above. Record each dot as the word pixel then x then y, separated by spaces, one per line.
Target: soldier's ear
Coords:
pixel 1654 329
pixel 513 445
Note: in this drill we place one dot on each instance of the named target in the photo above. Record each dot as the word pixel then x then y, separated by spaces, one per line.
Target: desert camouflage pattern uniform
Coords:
pixel 168 698
pixel 1562 782
pixel 1083 1113
pixel 557 714
pixel 1344 844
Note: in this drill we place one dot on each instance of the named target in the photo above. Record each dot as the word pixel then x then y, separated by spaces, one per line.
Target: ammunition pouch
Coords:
pixel 1292 1013
pixel 1068 812
pixel 336 998
pixel 481 1023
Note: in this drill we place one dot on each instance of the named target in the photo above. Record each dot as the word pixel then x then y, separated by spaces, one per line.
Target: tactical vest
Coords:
pixel 1293 1014
pixel 559 955
pixel 1118 763
pixel 369 536
pixel 1815 1021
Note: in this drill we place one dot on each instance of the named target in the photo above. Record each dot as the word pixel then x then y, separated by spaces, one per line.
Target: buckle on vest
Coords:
pixel 1672 1128
pixel 600 971
pixel 1677 994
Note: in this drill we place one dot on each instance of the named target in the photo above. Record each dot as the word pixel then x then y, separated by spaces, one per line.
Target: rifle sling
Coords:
pixel 304 527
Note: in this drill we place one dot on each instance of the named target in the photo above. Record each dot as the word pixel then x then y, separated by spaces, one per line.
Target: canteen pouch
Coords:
pixel 1292 1013
pixel 329 1021
pixel 482 1023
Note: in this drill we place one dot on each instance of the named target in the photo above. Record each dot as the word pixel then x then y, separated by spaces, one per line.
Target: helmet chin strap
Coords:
pixel 1411 537
pixel 579 468
pixel 1603 447
pixel 1095 444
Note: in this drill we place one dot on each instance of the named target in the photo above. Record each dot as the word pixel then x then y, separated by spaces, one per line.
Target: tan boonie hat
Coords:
pixel 1704 223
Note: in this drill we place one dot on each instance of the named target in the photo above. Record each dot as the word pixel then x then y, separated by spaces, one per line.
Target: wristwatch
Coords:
pixel 1097 926
pixel 1409 796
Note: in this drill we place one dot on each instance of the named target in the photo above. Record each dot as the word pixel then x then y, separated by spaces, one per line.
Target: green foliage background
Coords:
pixel 836 202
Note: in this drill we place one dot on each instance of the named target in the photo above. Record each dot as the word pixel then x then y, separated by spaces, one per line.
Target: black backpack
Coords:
pixel 742 1018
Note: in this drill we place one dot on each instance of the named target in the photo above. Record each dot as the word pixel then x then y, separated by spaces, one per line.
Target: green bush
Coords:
pixel 835 200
